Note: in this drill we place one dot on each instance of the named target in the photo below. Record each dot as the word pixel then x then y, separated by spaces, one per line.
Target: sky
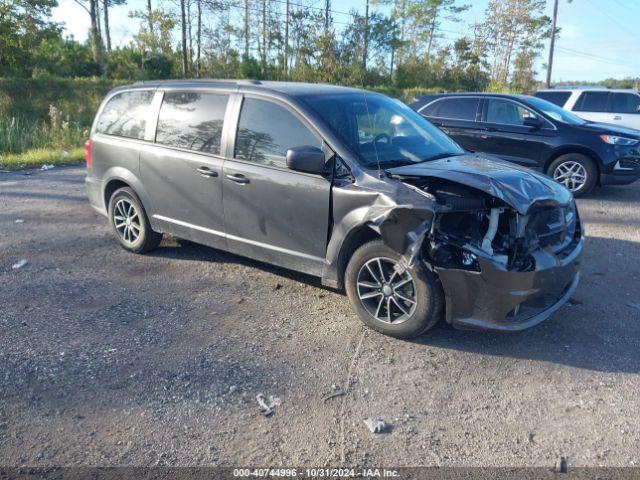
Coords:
pixel 598 39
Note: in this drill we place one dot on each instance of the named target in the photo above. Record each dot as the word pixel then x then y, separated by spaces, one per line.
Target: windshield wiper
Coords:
pixel 401 162
pixel 394 163
pixel 438 156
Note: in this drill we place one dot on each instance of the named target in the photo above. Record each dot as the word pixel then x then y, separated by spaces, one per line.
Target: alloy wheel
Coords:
pixel 386 294
pixel 572 175
pixel 126 219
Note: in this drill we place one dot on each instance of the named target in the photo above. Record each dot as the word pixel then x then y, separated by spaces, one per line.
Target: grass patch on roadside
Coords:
pixel 36 158
pixel 45 121
pixel 21 134
pixel 31 98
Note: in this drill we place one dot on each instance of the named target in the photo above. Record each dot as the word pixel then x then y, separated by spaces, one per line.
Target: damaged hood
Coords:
pixel 517 186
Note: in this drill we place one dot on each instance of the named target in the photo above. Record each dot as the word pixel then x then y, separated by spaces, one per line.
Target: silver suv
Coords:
pixel 598 104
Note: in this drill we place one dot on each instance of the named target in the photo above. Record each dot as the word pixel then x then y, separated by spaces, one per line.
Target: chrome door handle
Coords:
pixel 238 178
pixel 207 172
pixel 617 117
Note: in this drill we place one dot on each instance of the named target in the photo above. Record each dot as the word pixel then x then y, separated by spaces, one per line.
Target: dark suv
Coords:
pixel 343 184
pixel 538 134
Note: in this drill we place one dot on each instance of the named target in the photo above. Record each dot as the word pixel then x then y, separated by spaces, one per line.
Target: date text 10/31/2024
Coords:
pixel 316 472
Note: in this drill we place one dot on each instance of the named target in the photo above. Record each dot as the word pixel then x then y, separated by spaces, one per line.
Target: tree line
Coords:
pixel 392 43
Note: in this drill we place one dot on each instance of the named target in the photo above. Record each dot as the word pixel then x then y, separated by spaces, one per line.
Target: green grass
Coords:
pixel 35 158
pixel 76 99
pixel 46 121
pixel 19 134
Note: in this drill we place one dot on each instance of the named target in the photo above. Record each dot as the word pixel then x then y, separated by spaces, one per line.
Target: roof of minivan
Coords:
pixel 287 88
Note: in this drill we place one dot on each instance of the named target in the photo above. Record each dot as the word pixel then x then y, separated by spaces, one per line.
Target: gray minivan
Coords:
pixel 344 184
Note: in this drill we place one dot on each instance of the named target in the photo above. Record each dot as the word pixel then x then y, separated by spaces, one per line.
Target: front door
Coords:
pixel 182 171
pixel 506 136
pixel 272 213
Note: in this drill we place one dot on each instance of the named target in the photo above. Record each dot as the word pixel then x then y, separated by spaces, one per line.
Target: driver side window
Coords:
pixel 266 131
pixel 505 112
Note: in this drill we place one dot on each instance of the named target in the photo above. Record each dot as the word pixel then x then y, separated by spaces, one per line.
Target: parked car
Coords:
pixel 343 184
pixel 537 134
pixel 599 104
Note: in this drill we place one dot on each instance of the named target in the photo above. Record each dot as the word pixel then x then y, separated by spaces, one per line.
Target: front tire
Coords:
pixel 400 305
pixel 130 224
pixel 575 171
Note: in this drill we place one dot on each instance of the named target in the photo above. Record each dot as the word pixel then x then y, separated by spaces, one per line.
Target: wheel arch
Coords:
pixel 574 149
pixel 118 177
pixel 355 238
pixel 110 188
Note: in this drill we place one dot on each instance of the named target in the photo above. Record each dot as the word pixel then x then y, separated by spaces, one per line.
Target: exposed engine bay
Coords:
pixel 468 224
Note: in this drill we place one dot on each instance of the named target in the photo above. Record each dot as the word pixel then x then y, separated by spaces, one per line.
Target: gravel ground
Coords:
pixel 108 358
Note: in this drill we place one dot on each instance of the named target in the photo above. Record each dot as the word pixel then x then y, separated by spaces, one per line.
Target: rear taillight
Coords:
pixel 87 152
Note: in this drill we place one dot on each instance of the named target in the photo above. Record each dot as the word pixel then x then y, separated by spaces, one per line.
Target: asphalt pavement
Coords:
pixel 110 358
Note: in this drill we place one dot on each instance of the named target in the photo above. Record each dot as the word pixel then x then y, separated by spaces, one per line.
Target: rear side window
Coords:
pixel 559 98
pixel 192 120
pixel 125 115
pixel 266 131
pixel 592 102
pixel 625 103
pixel 461 108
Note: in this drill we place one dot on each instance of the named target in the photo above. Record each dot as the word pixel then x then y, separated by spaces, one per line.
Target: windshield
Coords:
pixel 555 112
pixel 381 131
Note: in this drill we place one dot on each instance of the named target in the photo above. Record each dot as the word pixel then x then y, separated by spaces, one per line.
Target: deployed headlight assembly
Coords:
pixel 615 140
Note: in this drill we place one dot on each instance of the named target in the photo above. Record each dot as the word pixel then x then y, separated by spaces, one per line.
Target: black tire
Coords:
pixel 587 163
pixel 428 294
pixel 146 239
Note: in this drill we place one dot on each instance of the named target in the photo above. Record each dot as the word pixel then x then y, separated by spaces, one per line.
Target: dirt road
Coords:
pixel 108 358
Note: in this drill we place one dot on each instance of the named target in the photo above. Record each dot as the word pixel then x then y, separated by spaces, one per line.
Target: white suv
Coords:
pixel 598 104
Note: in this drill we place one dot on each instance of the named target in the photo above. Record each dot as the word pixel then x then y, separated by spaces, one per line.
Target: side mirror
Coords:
pixel 532 122
pixel 306 159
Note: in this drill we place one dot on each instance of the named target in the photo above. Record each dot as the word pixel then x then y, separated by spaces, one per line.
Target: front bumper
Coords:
pixel 497 299
pixel 625 169
pixel 619 178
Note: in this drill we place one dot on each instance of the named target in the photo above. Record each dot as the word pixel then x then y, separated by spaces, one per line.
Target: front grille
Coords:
pixel 629 163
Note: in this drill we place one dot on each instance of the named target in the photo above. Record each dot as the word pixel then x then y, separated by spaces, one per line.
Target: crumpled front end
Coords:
pixel 499 299
pixel 505 241
pixel 500 268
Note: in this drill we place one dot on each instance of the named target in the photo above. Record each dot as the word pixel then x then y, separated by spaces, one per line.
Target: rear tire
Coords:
pixel 130 223
pixel 575 171
pixel 400 305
